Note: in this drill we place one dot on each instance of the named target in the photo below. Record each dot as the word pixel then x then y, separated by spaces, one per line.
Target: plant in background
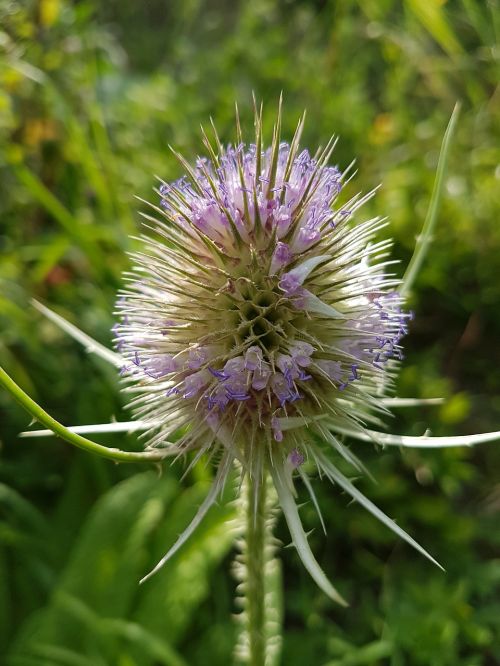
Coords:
pixel 259 326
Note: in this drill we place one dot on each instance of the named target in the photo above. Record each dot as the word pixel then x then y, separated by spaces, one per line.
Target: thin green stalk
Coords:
pixel 255 527
pixel 426 235
pixel 57 428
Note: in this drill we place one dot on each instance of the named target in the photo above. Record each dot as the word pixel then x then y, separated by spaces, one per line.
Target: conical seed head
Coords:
pixel 258 306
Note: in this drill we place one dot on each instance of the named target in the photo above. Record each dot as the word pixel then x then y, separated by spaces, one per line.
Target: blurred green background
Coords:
pixel 91 95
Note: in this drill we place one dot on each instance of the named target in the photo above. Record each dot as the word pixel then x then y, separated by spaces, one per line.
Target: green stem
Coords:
pixel 426 235
pixel 255 528
pixel 72 438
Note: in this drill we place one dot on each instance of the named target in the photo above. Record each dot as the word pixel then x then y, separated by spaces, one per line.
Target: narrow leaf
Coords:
pixel 426 236
pixel 298 535
pixel 91 345
pixel 424 442
pixel 411 402
pixel 314 304
pixel 335 475
pixel 117 426
pixel 217 486
pixel 312 495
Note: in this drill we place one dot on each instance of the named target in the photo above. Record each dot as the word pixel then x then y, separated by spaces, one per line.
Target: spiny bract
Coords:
pixel 260 318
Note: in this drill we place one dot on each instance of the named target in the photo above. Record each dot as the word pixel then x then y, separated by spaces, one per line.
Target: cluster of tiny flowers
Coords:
pixel 260 325
pixel 257 306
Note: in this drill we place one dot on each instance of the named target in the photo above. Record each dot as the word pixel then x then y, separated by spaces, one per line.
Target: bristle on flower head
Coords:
pixel 259 310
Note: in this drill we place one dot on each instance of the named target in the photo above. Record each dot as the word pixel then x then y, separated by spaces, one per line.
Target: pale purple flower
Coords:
pixel 271 321
pixel 259 326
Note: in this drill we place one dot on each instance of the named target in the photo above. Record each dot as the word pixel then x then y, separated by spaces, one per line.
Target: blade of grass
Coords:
pixel 425 238
pixel 45 197
pixel 71 224
pixel 432 15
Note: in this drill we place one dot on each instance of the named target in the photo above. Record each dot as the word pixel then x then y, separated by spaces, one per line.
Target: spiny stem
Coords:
pixel 255 527
pixel 258 572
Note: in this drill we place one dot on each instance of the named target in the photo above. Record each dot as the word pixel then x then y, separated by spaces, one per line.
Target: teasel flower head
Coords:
pixel 260 321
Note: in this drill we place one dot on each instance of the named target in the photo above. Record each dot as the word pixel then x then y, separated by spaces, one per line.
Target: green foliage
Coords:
pixel 96 608
pixel 91 95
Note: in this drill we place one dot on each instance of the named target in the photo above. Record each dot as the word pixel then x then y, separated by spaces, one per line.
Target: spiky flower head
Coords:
pixel 260 318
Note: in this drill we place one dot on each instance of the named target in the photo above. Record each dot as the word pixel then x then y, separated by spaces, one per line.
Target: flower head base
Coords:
pixel 259 316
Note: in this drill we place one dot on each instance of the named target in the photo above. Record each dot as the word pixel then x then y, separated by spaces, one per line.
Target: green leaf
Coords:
pixel 98 609
pixel 432 16
pixel 426 236
pixel 299 538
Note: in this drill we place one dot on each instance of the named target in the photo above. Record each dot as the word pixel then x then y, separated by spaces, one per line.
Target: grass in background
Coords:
pixel 91 96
